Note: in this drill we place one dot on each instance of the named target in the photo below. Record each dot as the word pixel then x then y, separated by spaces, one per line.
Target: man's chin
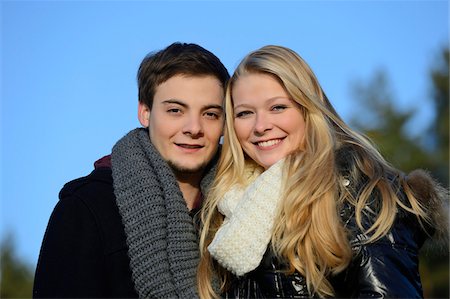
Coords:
pixel 178 168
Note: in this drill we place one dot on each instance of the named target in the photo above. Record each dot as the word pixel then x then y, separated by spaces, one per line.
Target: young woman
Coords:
pixel 302 205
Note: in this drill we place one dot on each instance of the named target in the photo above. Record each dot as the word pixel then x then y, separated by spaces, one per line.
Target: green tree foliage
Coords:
pixel 386 125
pixel 437 262
pixel 440 128
pixel 16 277
pixel 381 120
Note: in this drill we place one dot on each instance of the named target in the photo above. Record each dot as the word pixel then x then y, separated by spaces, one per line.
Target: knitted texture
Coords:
pixel 162 241
pixel 241 241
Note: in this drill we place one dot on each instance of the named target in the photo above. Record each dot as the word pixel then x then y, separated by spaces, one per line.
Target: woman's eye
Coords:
pixel 242 114
pixel 279 107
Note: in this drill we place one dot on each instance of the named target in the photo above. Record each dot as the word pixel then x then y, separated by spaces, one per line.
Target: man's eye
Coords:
pixel 212 115
pixel 174 110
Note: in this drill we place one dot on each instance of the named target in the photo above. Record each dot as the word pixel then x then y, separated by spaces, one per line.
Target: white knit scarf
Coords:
pixel 241 241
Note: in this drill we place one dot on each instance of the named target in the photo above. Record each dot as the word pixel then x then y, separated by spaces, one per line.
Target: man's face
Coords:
pixel 186 121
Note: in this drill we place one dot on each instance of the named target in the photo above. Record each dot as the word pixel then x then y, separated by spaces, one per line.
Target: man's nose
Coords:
pixel 193 126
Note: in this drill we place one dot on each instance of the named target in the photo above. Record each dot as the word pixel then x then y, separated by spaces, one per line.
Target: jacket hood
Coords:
pixel 104 162
pixel 434 199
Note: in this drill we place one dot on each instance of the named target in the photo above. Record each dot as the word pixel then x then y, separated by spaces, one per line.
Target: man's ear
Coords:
pixel 143 114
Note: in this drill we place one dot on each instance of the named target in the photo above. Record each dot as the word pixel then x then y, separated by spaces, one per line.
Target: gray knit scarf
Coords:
pixel 162 240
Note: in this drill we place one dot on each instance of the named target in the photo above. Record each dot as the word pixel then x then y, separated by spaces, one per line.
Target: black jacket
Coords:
pixel 387 268
pixel 84 251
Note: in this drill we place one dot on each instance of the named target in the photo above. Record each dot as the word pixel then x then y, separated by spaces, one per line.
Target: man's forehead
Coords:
pixel 190 91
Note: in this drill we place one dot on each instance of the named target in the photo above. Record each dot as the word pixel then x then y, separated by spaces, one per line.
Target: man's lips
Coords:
pixel 189 146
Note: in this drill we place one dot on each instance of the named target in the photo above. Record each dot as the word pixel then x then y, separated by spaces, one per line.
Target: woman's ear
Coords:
pixel 143 114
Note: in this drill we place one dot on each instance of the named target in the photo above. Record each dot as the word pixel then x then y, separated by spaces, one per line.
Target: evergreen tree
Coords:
pixel 386 125
pixel 16 277
pixel 440 128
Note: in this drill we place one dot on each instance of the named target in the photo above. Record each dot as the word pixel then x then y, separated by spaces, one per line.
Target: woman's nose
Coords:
pixel 262 124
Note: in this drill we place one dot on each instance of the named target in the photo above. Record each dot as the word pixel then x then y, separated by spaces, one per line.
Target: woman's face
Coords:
pixel 268 124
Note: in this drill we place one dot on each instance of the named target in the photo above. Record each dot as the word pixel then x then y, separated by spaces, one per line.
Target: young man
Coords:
pixel 126 230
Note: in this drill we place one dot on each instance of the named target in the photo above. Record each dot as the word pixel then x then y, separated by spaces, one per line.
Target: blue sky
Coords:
pixel 68 74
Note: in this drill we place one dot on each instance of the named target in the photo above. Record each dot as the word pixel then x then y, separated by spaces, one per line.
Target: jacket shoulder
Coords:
pixel 85 240
pixel 95 193
pixel 99 179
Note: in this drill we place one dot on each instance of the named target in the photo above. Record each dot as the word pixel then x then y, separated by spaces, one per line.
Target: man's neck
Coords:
pixel 190 187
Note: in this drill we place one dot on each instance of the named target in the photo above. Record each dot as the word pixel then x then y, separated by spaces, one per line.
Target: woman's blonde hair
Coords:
pixel 308 231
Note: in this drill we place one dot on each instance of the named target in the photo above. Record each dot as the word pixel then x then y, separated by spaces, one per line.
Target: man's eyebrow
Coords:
pixel 175 101
pixel 183 104
pixel 213 106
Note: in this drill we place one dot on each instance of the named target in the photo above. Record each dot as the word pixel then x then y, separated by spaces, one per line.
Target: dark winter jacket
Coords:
pixel 84 251
pixel 387 268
